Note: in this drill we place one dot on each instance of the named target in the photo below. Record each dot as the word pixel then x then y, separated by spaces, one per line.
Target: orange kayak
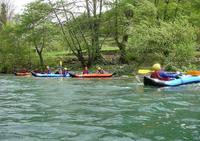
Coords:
pixel 22 73
pixel 94 75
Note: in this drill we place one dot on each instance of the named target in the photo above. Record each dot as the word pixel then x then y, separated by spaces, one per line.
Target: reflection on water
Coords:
pixel 96 109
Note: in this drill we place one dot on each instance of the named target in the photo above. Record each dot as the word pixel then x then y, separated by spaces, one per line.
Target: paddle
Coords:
pixel 60 63
pixel 191 72
pixel 72 75
pixel 114 73
pixel 144 71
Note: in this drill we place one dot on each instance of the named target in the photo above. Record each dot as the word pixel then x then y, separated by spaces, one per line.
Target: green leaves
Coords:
pixel 171 42
pixel 154 30
pixel 36 27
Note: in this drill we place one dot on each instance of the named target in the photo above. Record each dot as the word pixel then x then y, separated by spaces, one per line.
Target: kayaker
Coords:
pixel 59 71
pixel 162 75
pixel 23 70
pixel 66 72
pixel 100 70
pixel 48 70
pixel 86 71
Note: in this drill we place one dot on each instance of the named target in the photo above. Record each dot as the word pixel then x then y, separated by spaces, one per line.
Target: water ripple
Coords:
pixel 117 109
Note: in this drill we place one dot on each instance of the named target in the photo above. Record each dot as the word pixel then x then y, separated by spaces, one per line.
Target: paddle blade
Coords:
pixel 60 63
pixel 193 72
pixel 143 71
pixel 72 75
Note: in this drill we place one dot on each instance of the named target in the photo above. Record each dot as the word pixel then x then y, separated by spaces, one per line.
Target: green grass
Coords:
pixel 62 54
pixel 109 48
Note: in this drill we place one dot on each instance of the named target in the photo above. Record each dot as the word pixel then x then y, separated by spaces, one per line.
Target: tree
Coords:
pixel 169 43
pixel 36 27
pixel 6 12
pixel 94 15
pixel 121 20
pixel 13 52
pixel 194 18
pixel 81 30
pixel 3 18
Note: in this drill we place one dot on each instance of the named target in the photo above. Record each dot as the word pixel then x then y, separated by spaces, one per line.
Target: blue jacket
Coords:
pixel 161 75
pixel 168 75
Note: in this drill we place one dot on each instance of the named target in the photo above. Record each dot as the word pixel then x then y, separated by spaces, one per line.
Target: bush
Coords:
pixel 172 43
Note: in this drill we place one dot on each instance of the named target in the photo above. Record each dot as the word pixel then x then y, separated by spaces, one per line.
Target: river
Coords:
pixel 112 109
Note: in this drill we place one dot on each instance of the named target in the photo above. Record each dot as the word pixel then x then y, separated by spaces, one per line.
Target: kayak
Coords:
pixel 187 79
pixel 49 75
pixel 22 73
pixel 94 75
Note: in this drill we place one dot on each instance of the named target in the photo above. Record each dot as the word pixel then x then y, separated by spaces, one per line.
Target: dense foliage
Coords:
pixel 141 32
pixel 172 43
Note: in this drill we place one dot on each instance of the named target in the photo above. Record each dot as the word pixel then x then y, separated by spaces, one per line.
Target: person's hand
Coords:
pixel 179 73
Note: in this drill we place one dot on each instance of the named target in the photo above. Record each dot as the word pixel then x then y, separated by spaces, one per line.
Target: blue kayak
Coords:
pixel 187 79
pixel 50 75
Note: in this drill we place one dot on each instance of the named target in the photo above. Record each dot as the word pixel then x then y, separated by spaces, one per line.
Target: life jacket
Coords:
pixel 65 72
pixel 85 72
pixel 23 71
pixel 156 74
pixel 101 71
pixel 48 71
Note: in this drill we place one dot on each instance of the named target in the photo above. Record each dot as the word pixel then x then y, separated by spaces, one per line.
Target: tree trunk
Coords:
pixel 81 59
pixel 41 61
pixel 122 58
pixel 120 43
pixel 95 42
pixel 95 50
pixel 122 48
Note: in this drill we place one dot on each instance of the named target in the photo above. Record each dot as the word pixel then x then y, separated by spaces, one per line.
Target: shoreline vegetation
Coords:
pixel 121 36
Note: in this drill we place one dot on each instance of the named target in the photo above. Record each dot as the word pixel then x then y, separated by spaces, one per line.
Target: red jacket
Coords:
pixel 85 72
pixel 156 74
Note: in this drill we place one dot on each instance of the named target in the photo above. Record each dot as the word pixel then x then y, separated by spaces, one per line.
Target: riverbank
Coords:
pixel 118 70
pixel 109 64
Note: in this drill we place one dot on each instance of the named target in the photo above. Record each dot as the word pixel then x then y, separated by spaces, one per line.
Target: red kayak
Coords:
pixel 22 73
pixel 94 75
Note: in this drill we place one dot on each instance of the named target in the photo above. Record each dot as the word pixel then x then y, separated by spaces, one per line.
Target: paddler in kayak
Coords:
pixel 162 75
pixel 86 71
pixel 100 70
pixel 66 72
pixel 48 70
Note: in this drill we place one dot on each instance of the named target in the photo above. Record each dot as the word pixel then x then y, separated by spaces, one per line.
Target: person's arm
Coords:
pixel 169 75
pixel 103 71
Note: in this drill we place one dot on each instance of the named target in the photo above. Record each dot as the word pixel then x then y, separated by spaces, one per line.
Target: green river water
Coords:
pixel 113 109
